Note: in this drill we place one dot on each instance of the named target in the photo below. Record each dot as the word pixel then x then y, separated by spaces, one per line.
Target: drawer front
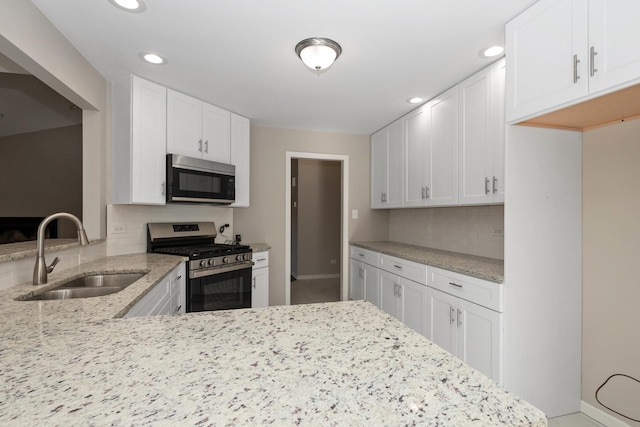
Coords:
pixel 364 255
pixel 478 291
pixel 260 259
pixel 403 268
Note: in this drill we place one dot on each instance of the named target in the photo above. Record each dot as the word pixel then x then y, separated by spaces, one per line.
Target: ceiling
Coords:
pixel 240 55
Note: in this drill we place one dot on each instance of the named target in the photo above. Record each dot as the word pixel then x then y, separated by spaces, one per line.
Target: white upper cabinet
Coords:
pixel 561 52
pixel 481 136
pixel 139 142
pixel 197 129
pixel 387 166
pixel 240 158
pixel 417 147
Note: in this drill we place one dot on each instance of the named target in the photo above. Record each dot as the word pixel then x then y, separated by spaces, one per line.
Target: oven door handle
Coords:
pixel 195 274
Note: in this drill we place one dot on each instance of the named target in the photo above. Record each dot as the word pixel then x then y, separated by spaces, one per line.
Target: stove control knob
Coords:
pixel 203 263
pixel 210 262
pixel 239 257
pixel 225 260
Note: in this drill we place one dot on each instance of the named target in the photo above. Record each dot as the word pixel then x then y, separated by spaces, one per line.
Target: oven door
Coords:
pixel 220 291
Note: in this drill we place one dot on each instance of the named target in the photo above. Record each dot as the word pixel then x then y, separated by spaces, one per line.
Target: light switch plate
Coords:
pixel 354 214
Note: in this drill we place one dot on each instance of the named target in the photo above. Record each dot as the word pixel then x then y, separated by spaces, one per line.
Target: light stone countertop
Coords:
pixel 16 251
pixel 490 269
pixel 259 247
pixel 72 363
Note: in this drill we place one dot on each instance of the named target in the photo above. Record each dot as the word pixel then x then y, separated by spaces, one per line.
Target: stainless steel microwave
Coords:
pixel 191 180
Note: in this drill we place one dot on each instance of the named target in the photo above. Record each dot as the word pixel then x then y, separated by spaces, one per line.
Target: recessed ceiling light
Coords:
pixel 492 51
pixel 136 6
pixel 415 100
pixel 153 58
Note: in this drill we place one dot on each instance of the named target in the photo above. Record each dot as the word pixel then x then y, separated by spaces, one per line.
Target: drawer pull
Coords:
pixel 178 309
pixel 459 317
pixel 397 266
pixel 452 312
pixel 360 254
pixel 179 277
pixel 455 284
pixel 261 259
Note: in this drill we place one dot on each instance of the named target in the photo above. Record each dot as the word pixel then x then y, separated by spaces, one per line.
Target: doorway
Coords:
pixel 311 256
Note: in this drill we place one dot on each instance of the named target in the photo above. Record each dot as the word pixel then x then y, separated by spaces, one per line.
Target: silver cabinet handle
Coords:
pixel 206 146
pixel 179 277
pixel 427 191
pixel 452 312
pixel 455 284
pixel 397 266
pixel 200 145
pixel 576 61
pixel 360 254
pixel 395 289
pixel 261 259
pixel 399 291
pixel 459 317
pixel 177 309
pixel 486 185
pixel 254 283
pixel 163 185
pixel 424 193
pixel 495 185
pixel 592 63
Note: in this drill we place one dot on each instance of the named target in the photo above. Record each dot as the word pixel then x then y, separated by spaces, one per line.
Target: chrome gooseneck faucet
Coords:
pixel 40 270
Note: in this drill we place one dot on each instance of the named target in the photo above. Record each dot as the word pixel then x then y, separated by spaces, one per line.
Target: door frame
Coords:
pixel 344 218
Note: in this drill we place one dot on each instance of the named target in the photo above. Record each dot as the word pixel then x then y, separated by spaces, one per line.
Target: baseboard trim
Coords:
pixel 318 276
pixel 601 416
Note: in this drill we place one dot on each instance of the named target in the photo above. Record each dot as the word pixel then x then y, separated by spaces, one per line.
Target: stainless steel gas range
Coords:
pixel 219 275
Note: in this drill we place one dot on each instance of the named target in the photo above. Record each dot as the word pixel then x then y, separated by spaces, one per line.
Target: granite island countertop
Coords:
pixel 490 269
pixel 345 363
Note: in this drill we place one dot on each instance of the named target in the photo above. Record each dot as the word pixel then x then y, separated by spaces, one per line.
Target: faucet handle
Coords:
pixel 53 264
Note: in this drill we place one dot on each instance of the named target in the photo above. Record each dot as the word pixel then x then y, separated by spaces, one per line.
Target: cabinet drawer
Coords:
pixel 260 259
pixel 364 255
pixel 403 268
pixel 478 291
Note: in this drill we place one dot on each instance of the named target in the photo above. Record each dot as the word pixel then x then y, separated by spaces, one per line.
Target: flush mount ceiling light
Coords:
pixel 415 100
pixel 136 6
pixel 153 58
pixel 318 53
pixel 492 51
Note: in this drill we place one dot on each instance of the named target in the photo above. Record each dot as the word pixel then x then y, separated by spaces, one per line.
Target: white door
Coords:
pixel 413 305
pixel 379 157
pixel 389 284
pixel 356 280
pixel 241 158
pixel 442 163
pixel 371 284
pixel 216 134
pixel 476 136
pixel 614 31
pixel 395 165
pixel 260 287
pixel 442 320
pixel 499 127
pixel 544 43
pixel 148 162
pixel 479 338
pixel 417 148
pixel 184 125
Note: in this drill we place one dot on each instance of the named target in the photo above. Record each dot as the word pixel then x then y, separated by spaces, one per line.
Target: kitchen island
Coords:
pixel 345 363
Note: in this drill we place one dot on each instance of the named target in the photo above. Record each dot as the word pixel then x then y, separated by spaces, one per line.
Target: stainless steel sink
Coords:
pixel 91 285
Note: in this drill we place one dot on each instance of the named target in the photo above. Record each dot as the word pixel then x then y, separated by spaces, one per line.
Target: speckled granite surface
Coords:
pixel 15 251
pixel 490 269
pixel 344 363
pixel 259 247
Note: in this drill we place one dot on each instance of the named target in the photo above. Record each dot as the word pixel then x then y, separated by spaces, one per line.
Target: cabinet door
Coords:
pixel 442 310
pixel 356 280
pixel 442 164
pixel 260 287
pixel 480 338
pixel 543 44
pixel 413 305
pixel 417 151
pixel 184 125
pixel 395 166
pixel 613 34
pixel 371 284
pixel 240 157
pixel 378 168
pixel 389 284
pixel 148 139
pixel 476 135
pixel 216 134
pixel 178 290
pixel 499 127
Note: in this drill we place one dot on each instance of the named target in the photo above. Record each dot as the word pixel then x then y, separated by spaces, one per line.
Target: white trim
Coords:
pixel 600 416
pixel 344 228
pixel 318 276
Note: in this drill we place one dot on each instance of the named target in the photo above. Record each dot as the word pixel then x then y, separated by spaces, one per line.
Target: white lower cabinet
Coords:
pixel 405 300
pixel 469 331
pixel 166 298
pixel 260 280
pixel 363 283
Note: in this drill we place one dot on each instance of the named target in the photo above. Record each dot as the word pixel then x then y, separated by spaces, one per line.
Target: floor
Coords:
pixel 310 291
pixel 574 420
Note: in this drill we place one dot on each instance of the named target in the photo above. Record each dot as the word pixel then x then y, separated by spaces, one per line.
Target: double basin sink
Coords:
pixel 90 285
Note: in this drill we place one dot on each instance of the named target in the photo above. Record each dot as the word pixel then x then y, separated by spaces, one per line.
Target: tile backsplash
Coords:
pixel 127 224
pixel 475 230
